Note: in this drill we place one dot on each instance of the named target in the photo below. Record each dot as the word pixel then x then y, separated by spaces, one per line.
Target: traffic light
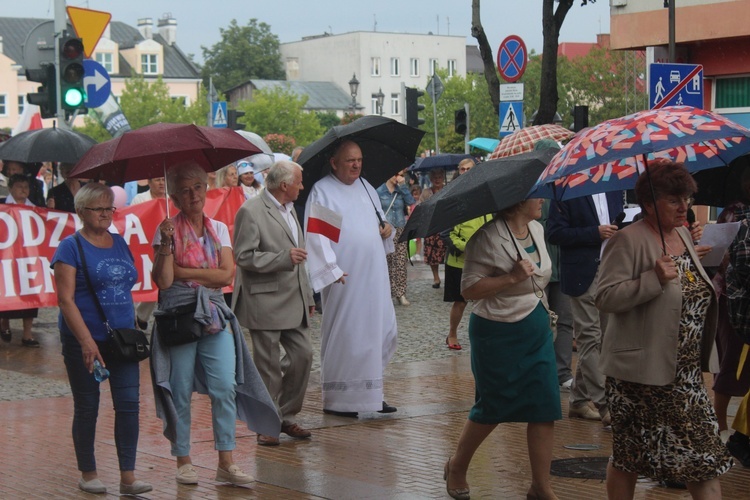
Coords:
pixel 72 90
pixel 580 118
pixel 460 121
pixel 232 116
pixel 413 107
pixel 46 95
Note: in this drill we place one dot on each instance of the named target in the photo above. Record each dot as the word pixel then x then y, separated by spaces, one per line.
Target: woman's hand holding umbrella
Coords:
pixel 665 269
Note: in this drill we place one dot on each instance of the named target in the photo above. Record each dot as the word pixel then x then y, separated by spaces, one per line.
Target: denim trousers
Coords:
pixel 216 355
pixel 124 383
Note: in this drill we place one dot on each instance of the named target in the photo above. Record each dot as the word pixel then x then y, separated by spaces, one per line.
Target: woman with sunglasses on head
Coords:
pixel 505 271
pixel 85 337
pixel 662 321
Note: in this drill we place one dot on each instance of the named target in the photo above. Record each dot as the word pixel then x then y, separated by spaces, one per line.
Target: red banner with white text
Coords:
pixel 29 237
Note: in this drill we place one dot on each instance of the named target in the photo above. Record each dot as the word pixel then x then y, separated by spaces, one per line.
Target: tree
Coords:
pixel 552 20
pixel 280 143
pixel 244 52
pixel 328 119
pixel 280 111
pixel 145 102
pixel 458 90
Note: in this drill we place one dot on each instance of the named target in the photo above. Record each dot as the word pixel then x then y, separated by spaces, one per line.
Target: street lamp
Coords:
pixel 353 87
pixel 380 96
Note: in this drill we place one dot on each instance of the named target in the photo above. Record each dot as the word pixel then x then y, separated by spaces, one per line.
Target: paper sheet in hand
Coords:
pixel 719 236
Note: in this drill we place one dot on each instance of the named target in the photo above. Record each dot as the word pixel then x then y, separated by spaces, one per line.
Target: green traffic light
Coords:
pixel 73 97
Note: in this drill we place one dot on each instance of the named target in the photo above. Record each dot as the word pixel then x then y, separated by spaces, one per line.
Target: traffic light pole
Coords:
pixel 434 119
pixel 60 27
pixel 468 127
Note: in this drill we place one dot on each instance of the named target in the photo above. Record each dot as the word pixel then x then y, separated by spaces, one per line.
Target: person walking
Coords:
pixel 359 321
pixel 512 356
pixel 662 323
pixel 395 199
pixel 273 298
pixel 434 247
pixel 86 339
pixel 192 262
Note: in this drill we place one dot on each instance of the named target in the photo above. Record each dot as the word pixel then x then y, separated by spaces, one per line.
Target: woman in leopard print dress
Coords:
pixel 659 336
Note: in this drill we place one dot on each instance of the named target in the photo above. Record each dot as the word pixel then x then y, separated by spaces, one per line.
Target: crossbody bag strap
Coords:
pixel 88 281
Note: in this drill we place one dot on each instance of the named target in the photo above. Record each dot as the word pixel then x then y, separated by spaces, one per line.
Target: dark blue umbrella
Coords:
pixel 446 161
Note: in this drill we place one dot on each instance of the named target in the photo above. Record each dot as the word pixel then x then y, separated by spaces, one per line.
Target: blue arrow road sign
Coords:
pixel 219 114
pixel 97 83
pixel 675 85
pixel 511 117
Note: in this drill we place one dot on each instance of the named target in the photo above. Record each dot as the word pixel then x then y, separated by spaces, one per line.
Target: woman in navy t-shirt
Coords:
pixel 85 337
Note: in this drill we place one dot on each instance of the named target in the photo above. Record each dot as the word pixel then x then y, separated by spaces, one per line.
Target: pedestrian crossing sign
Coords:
pixel 219 114
pixel 511 117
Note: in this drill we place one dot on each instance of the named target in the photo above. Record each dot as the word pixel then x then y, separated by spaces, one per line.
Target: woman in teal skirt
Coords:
pixel 512 351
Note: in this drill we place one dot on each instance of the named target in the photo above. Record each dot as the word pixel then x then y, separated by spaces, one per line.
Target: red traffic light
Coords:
pixel 72 49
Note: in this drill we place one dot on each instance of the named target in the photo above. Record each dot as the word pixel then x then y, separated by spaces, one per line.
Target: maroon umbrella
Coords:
pixel 149 151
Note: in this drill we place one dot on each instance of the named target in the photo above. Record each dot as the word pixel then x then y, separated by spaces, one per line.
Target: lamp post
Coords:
pixel 353 87
pixel 380 96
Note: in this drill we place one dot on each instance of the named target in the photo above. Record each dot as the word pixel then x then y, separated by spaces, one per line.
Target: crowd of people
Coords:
pixel 633 300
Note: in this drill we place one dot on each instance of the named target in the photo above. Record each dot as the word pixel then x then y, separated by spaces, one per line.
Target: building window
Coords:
pixel 451 67
pixel 433 66
pixel 105 59
pixel 375 66
pixel 3 105
pixel 733 92
pixel 394 104
pixel 182 99
pixel 395 66
pixel 374 100
pixel 148 64
pixel 414 67
pixel 21 104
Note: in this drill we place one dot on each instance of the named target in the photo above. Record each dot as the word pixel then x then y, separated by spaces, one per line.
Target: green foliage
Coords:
pixel 483 121
pixel 604 80
pixel 328 119
pixel 146 102
pixel 350 117
pixel 280 111
pixel 280 143
pixel 244 52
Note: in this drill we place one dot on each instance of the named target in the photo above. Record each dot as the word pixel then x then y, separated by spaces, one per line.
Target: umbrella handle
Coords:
pixel 656 210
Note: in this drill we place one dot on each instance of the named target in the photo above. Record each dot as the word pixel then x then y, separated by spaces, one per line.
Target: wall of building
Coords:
pixel 336 58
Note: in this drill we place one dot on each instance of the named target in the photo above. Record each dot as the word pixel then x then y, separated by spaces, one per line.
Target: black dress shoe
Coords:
pixel 347 414
pixel 387 408
pixel 6 335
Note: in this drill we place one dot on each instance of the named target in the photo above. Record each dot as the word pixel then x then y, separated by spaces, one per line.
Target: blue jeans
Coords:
pixel 124 382
pixel 217 360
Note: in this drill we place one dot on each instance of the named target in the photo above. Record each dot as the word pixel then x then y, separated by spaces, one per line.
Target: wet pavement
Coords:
pixel 399 455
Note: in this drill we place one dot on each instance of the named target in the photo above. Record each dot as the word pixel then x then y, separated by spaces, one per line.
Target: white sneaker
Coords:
pixel 565 386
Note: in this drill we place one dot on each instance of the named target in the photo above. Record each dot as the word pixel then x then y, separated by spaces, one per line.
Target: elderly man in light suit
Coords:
pixel 272 295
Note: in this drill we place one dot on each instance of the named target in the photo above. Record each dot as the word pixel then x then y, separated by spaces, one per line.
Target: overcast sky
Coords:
pixel 198 21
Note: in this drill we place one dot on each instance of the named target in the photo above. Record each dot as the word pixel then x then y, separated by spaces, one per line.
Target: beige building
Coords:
pixel 382 62
pixel 123 50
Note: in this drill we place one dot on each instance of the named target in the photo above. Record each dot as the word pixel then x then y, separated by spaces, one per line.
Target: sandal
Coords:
pixel 453 347
pixel 5 335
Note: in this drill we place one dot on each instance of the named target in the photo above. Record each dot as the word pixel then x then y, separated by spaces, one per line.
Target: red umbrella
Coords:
pixel 522 141
pixel 147 152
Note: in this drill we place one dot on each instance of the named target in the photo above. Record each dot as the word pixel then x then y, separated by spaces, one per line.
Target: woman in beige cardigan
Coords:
pixel 658 339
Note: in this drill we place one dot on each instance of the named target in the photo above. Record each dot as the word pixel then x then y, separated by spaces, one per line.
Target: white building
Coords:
pixel 382 62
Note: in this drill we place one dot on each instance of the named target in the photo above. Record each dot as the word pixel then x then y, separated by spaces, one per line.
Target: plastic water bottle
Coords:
pixel 100 373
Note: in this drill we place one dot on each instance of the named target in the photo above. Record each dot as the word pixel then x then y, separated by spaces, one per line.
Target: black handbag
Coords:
pixel 128 344
pixel 178 326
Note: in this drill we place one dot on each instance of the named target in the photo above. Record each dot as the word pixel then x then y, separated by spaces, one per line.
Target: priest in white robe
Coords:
pixel 347 245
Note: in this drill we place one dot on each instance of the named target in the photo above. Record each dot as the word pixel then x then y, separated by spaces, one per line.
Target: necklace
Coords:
pixel 523 234
pixel 686 271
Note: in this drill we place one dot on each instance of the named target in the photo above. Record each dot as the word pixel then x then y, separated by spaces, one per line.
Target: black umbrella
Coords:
pixel 487 188
pixel 46 144
pixel 444 160
pixel 718 187
pixel 387 148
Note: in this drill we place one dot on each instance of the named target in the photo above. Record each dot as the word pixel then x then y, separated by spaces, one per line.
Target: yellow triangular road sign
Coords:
pixel 89 25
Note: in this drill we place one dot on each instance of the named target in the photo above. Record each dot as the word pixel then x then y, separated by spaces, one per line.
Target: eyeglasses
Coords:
pixel 101 210
pixel 677 201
